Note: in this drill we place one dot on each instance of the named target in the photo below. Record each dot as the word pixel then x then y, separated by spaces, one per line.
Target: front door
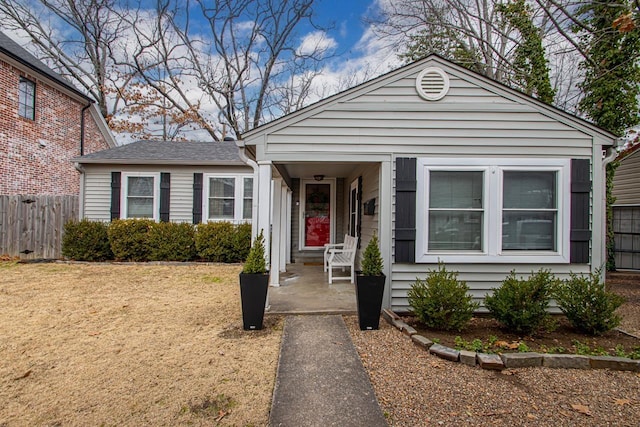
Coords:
pixel 317 213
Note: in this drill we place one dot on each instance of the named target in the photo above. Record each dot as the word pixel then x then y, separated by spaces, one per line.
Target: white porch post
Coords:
pixel 283 228
pixel 277 232
pixel 384 225
pixel 288 201
pixel 264 205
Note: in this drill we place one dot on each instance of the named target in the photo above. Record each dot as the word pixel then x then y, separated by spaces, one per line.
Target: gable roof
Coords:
pixel 167 153
pixel 483 81
pixel 20 55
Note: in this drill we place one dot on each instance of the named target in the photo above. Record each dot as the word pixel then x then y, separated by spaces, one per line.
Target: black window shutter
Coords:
pixel 405 249
pixel 165 196
pixel 115 194
pixel 197 198
pixel 580 196
pixel 359 210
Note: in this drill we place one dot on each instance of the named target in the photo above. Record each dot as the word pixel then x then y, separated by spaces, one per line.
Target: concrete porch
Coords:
pixel 304 289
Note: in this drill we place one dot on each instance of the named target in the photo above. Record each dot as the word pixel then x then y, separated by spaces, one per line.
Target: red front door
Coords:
pixel 317 219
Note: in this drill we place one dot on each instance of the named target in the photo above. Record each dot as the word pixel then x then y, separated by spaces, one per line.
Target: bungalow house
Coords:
pixel 44 122
pixel 167 181
pixel 442 163
pixel 626 209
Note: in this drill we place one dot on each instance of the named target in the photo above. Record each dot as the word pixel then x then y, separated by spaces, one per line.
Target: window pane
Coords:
pixel 526 231
pixel 221 209
pixel 248 197
pixel 246 209
pixel 455 230
pixel 140 186
pixel 139 207
pixel 248 188
pixel 529 190
pixel 458 190
pixel 222 187
pixel 26 98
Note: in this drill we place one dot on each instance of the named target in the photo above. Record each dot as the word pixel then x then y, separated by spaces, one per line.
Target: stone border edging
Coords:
pixel 511 360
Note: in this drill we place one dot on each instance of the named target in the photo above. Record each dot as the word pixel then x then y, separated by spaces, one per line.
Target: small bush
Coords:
pixel 129 239
pixel 441 301
pixel 215 241
pixel 241 242
pixel 170 241
pixel 256 263
pixel 86 241
pixel 521 305
pixel 372 263
pixel 588 305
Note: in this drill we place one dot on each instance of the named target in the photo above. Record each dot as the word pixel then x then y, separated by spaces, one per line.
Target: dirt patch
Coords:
pixel 94 344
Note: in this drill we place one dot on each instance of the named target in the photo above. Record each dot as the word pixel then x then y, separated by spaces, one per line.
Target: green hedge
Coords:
pixel 223 242
pixel 170 241
pixel 146 240
pixel 129 239
pixel 86 241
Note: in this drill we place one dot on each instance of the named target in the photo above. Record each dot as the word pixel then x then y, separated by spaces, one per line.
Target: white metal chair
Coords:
pixel 341 255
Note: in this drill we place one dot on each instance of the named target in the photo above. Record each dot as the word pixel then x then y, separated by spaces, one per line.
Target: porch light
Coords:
pixel 318 177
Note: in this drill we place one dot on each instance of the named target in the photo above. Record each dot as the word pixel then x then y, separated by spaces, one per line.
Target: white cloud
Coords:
pixel 315 43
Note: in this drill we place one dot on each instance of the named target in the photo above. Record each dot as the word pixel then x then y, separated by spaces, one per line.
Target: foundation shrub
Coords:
pixel 588 304
pixel 86 241
pixel 170 241
pixel 215 241
pixel 520 305
pixel 241 242
pixel 129 239
pixel 441 301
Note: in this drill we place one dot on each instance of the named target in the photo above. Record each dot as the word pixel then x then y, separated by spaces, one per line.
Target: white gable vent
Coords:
pixel 432 84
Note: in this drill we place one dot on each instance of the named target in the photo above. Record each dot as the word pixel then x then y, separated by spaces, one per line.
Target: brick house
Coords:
pixel 44 123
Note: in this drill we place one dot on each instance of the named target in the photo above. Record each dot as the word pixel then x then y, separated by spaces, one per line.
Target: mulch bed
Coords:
pixel 561 338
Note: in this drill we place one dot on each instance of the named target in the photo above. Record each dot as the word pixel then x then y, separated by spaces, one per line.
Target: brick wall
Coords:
pixel 35 154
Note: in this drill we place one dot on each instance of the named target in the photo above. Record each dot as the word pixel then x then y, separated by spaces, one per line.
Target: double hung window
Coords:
pixel 493 210
pixel 141 194
pixel 229 198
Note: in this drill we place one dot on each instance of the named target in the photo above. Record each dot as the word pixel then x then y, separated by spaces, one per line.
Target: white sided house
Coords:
pixel 167 181
pixel 444 165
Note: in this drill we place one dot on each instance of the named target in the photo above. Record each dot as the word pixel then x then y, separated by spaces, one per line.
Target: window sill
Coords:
pixel 476 258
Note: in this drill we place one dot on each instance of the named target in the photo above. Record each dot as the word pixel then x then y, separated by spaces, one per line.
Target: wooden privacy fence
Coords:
pixel 31 227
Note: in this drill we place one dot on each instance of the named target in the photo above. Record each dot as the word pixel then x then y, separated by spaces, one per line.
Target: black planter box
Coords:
pixel 369 291
pixel 253 295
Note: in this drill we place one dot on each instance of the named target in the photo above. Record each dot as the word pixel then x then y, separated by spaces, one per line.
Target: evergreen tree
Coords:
pixel 612 81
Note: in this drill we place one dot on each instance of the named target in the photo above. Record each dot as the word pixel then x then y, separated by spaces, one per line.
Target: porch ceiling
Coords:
pixel 328 169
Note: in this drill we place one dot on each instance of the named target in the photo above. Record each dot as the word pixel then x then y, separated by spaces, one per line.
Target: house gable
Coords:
pixel 387 115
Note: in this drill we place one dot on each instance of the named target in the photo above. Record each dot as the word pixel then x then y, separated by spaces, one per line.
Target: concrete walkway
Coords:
pixel 321 380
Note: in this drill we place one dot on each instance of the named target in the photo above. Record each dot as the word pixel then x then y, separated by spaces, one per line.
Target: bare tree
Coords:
pixel 475 34
pixel 228 64
pixel 74 38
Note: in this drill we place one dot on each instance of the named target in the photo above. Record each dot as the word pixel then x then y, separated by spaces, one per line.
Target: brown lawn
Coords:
pixel 102 344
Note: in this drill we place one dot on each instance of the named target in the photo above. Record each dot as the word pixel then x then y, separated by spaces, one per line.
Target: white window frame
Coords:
pixel 238 197
pixel 492 205
pixel 124 196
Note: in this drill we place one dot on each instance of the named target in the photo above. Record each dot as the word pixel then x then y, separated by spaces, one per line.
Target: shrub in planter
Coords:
pixel 370 286
pixel 215 241
pixel 170 241
pixel 588 304
pixel 129 239
pixel 86 241
pixel 254 284
pixel 441 301
pixel 521 305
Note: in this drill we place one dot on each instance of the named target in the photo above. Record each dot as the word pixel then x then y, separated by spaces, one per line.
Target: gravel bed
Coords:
pixel 415 388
